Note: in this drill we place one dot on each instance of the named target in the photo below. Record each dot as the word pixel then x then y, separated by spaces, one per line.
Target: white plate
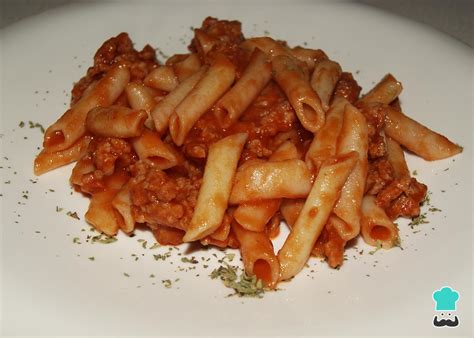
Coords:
pixel 50 286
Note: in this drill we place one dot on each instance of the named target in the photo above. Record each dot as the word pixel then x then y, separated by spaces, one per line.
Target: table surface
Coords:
pixel 453 17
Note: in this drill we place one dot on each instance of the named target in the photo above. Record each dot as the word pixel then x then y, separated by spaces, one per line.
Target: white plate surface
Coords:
pixel 49 284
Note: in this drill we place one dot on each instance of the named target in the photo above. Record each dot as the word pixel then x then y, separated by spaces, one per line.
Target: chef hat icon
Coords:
pixel 445 299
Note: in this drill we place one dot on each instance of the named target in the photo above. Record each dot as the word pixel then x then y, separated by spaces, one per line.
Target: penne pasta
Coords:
pixel 223 230
pixel 325 76
pixel 101 214
pixel 396 157
pixel 115 121
pixel 324 144
pixel 271 47
pixel 376 227
pixel 254 216
pixel 302 97
pixel 141 97
pixel 316 210
pixel 290 210
pixel 272 228
pixel 163 109
pixel 123 204
pixel 417 138
pixel 309 56
pixel 353 137
pixel 268 45
pixel 84 166
pixel 255 77
pixel 216 186
pixel 207 91
pixel 149 146
pixel 166 235
pixel 187 67
pixel 286 151
pixel 47 161
pixel 384 92
pixel 339 226
pixel 71 126
pixel 258 256
pixel 269 180
pixel 162 78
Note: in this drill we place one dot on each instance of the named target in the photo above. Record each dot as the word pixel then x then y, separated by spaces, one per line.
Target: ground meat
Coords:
pixel 161 198
pixel 377 147
pixel 110 153
pixel 204 132
pixel 380 174
pixel 330 246
pixel 117 50
pixel 269 115
pixel 92 182
pixel 375 116
pixel 228 36
pixel 348 88
pixel 402 197
pixel 105 155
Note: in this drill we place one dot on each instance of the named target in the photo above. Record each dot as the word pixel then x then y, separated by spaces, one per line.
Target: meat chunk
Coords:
pixel 347 87
pixel 161 198
pixel 109 153
pixel 105 155
pixel 379 175
pixel 402 197
pixel 330 246
pixel 225 37
pixel 375 116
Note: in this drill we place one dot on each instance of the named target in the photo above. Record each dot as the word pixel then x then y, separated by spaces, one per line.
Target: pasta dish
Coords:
pixel 220 145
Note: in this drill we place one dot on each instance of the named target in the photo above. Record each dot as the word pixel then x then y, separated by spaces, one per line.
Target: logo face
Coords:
pixel 445 305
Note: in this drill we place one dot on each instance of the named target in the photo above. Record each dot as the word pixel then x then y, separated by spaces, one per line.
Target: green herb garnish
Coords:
pixel 420 219
pixel 36 125
pixel 154 246
pixel 73 215
pixel 162 256
pixel 243 285
pixel 378 247
pixel 192 260
pixel 103 239
pixel 167 283
pixel 426 200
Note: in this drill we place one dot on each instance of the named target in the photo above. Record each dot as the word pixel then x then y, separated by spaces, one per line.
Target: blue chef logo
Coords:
pixel 445 300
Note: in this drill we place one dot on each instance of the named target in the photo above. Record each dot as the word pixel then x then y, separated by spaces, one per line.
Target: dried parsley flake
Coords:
pixel 73 215
pixel 103 239
pixel 243 285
